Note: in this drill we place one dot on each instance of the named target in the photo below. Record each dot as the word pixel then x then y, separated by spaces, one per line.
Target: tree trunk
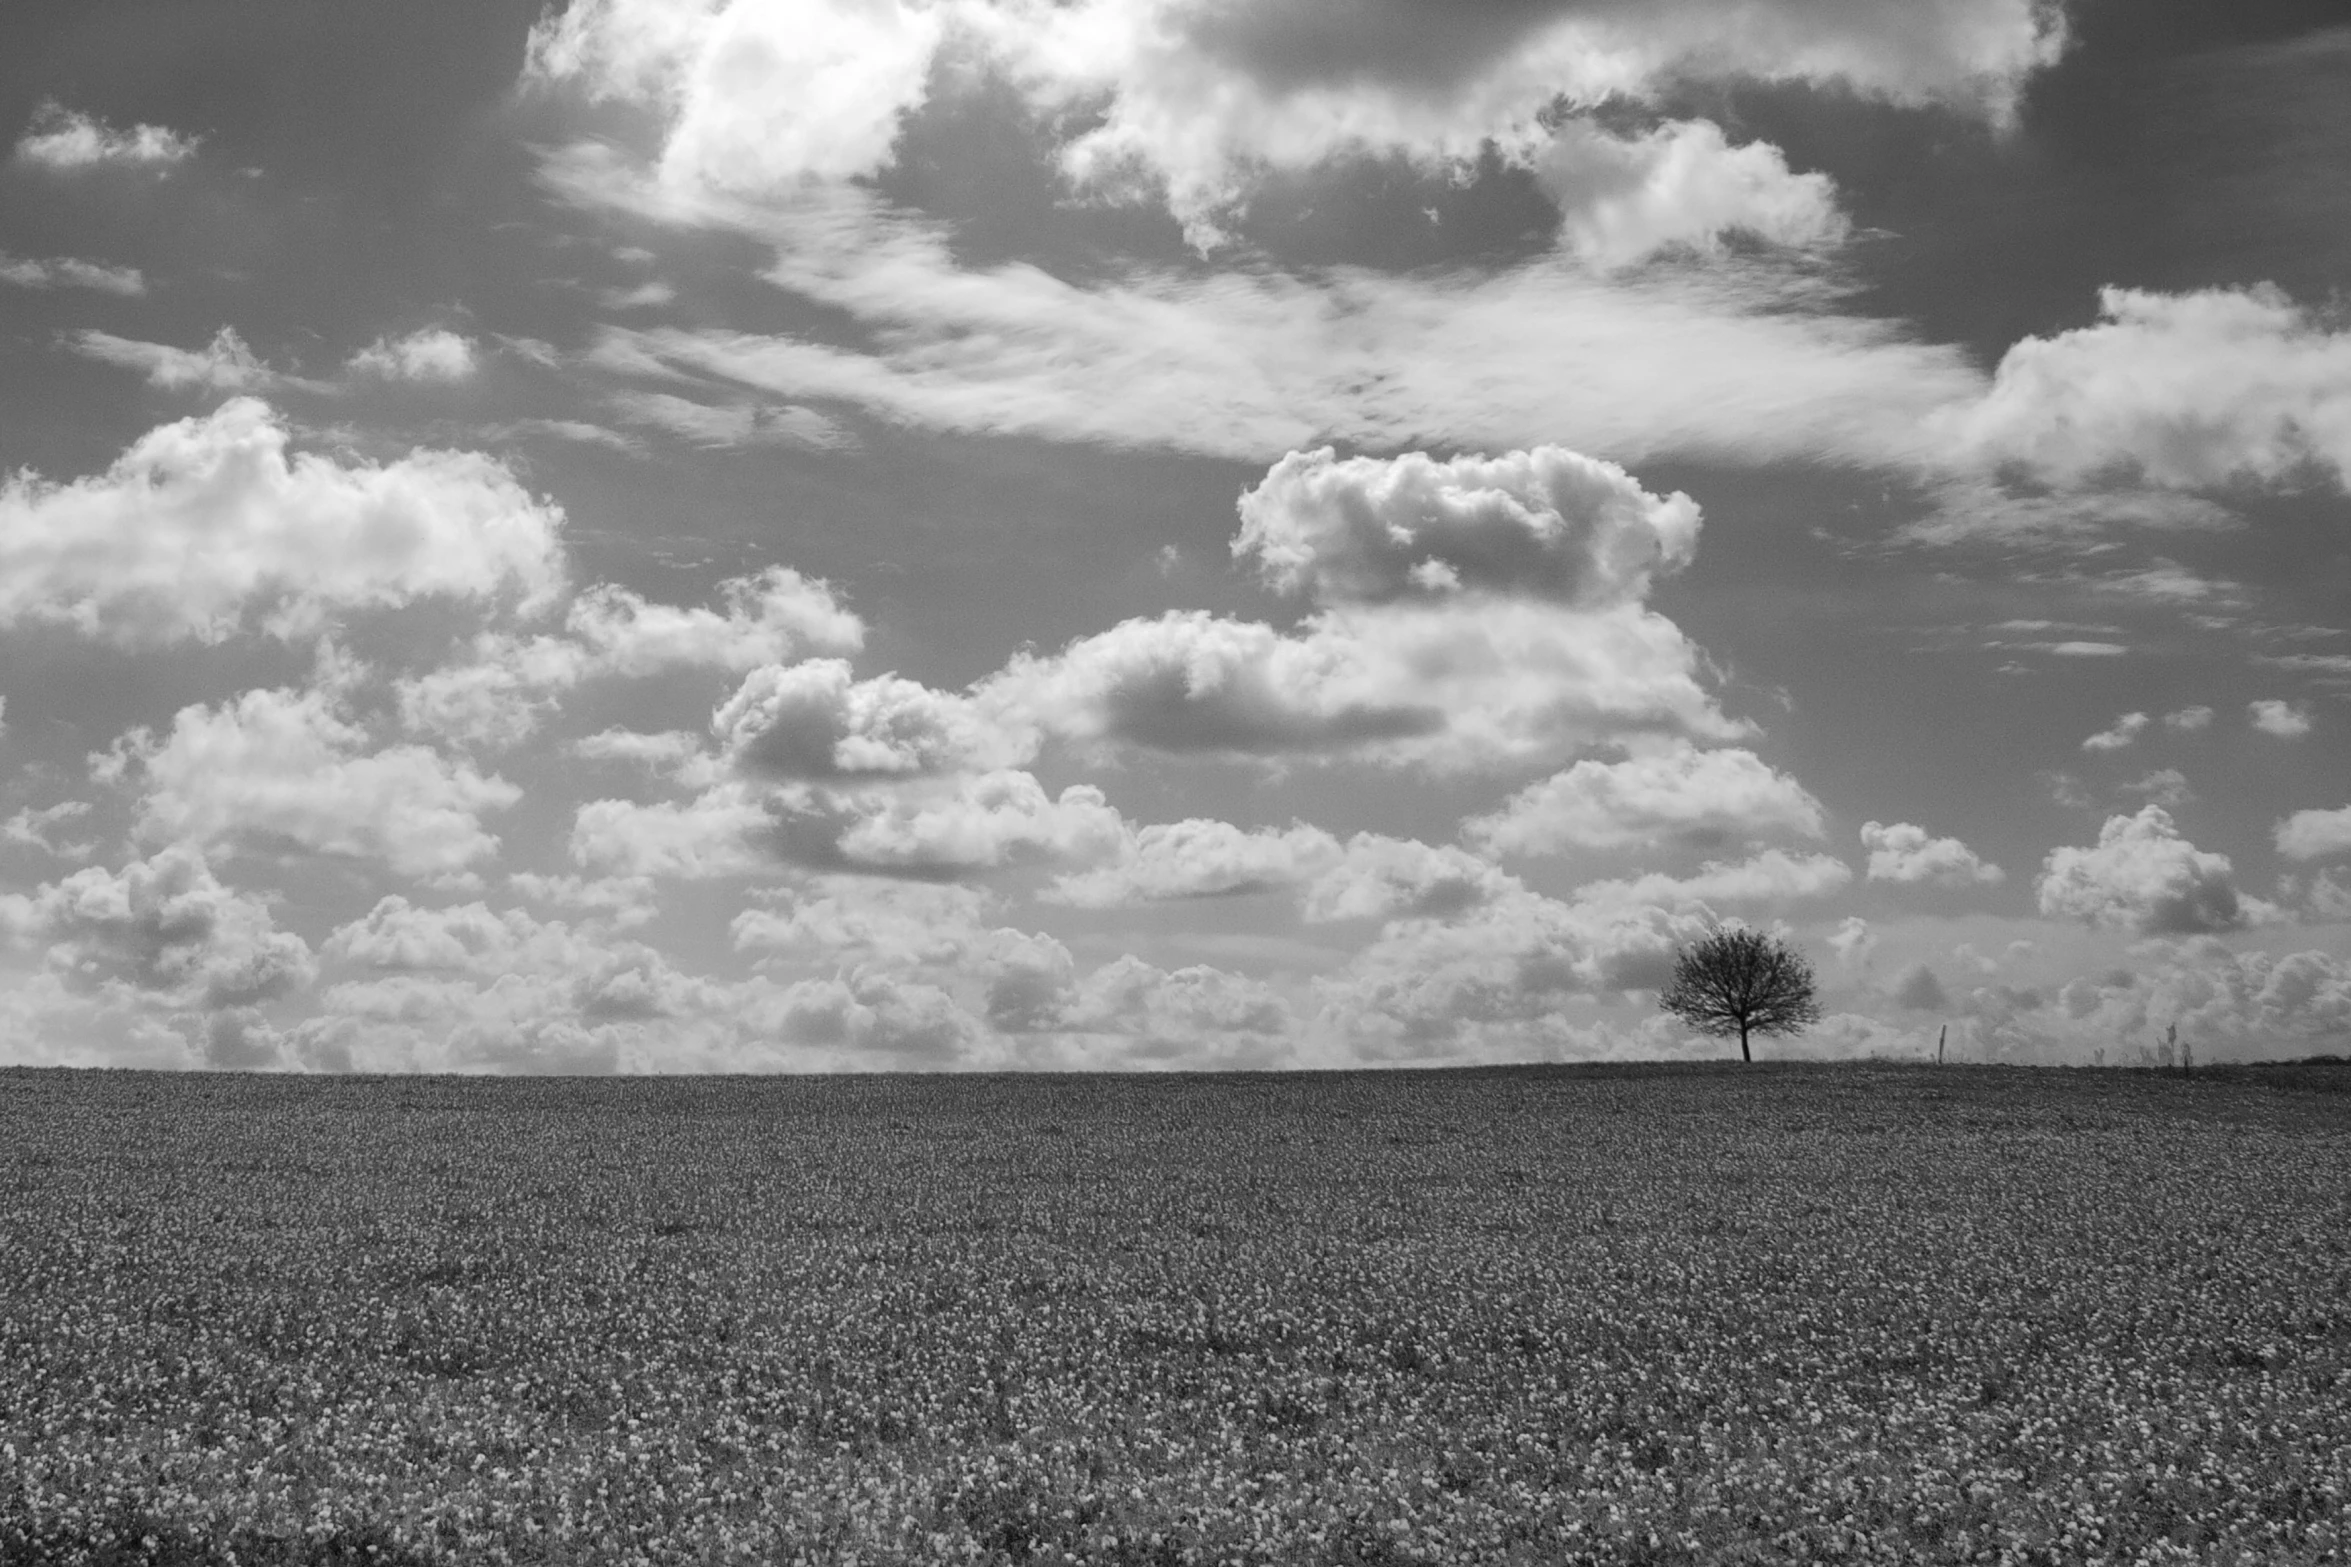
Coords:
pixel 1743 1055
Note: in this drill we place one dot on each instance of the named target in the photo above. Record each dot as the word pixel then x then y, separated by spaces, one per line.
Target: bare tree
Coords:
pixel 1741 982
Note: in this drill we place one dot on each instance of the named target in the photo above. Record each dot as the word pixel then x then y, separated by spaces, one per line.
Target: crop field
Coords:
pixel 1659 1314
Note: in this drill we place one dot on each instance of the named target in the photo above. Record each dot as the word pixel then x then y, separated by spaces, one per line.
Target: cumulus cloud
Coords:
pixel 1196 1016
pixel 1671 794
pixel 2249 1005
pixel 767 616
pixel 1447 686
pixel 499 690
pixel 817 720
pixel 2313 835
pixel 1770 877
pixel 1501 973
pixel 869 1020
pixel 44 829
pixel 1476 612
pixel 1917 989
pixel 286 766
pixel 469 988
pixel 2285 720
pixel 862 919
pixel 68 272
pixel 1378 877
pixel 225 364
pixel 2188 720
pixel 399 935
pixel 431 354
pixel 1683 184
pixel 2189 390
pixel 2120 733
pixel 66 140
pixel 164 928
pixel 1201 858
pixel 950 826
pixel 1190 102
pixel 1905 854
pixel 1547 523
pixel 2142 876
pixel 203 523
pixel 710 835
pixel 1853 941
pixel 759 95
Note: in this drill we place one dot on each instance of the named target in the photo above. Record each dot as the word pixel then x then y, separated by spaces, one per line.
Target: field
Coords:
pixel 1713 1314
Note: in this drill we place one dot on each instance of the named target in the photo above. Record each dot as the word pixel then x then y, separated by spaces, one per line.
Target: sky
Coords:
pixel 830 535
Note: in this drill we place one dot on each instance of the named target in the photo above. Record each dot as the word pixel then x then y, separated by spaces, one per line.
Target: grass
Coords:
pixel 1657 1314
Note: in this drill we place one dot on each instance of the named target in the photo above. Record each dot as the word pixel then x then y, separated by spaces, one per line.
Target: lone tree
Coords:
pixel 1741 982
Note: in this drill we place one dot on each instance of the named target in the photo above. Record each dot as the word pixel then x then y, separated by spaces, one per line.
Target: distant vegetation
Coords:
pixel 1713 1314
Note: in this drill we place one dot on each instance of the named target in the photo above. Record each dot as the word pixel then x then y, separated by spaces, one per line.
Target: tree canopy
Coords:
pixel 1739 982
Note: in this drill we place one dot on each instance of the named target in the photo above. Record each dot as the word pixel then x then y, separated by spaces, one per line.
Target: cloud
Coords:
pixel 66 140
pixel 2120 733
pixel 2166 786
pixel 1547 523
pixel 770 615
pixel 866 1020
pixel 40 829
pixel 401 936
pixel 1459 684
pixel 2312 835
pixel 2251 1005
pixel 1968 507
pixel 1739 363
pixel 861 919
pixel 203 523
pixel 286 766
pixel 1499 976
pixel 1201 858
pixel 1769 877
pixel 816 720
pixel 757 95
pixel 2187 390
pixel 2285 720
pixel 1676 793
pixel 708 836
pixel 67 272
pixel 1196 1016
pixel 733 424
pixel 2142 876
pixel 223 365
pixel 497 693
pixel 943 827
pixel 1853 941
pixel 1621 199
pixel 1191 102
pixel 165 929
pixel 432 354
pixel 2188 720
pixel 469 988
pixel 668 751
pixel 1918 990
pixel 1379 878
pixel 1906 855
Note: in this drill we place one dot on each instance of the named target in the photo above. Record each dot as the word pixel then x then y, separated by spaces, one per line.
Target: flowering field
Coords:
pixel 1708 1314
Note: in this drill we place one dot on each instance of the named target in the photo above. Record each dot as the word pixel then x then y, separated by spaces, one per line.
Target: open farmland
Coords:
pixel 1644 1315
